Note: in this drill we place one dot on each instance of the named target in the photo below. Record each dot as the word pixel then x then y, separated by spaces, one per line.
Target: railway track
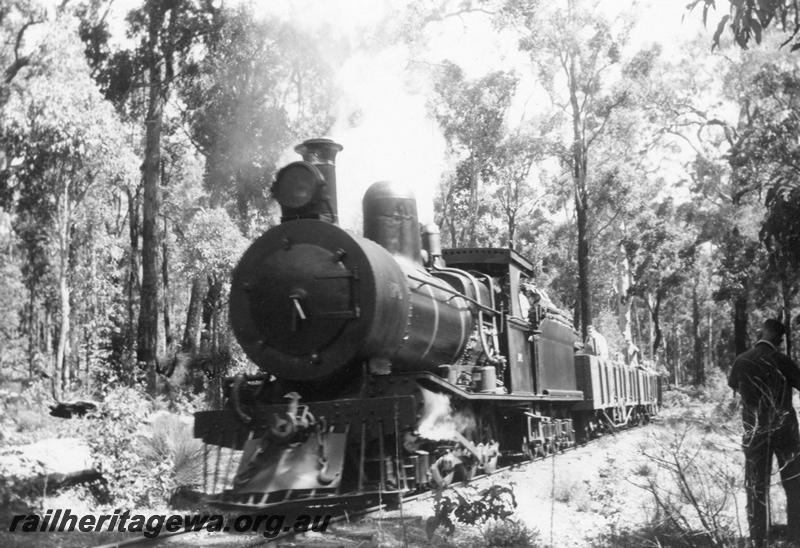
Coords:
pixel 334 535
pixel 284 537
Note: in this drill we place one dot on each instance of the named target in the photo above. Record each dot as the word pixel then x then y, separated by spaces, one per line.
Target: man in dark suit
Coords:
pixel 764 377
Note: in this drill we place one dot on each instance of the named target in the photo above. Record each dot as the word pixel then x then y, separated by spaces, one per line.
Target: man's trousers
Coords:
pixel 760 445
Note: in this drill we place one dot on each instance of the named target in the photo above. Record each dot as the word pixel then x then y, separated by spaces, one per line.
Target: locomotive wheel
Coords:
pixel 527 451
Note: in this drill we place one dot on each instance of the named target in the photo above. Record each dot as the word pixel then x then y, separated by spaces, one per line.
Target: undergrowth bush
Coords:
pixel 143 457
pixel 170 441
pixel 657 534
pixel 509 533
pixel 17 495
pixel 111 431
pixel 469 506
pixel 26 415
pixel 696 484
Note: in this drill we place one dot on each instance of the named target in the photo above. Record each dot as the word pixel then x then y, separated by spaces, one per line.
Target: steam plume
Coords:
pixel 440 422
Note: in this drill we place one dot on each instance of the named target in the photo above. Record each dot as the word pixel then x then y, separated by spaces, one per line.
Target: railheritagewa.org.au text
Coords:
pixel 151 526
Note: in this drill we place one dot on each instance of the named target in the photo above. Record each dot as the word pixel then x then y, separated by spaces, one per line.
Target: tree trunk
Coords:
pixel 579 169
pixel 584 285
pixel 214 297
pixel 672 348
pixel 61 374
pixel 147 337
pixel 194 316
pixel 786 293
pixel 473 207
pixel 656 319
pixel 651 332
pixel 33 331
pixel 700 373
pixel 165 279
pixel 623 298
pixel 134 288
pixel 87 381
pixel 679 361
pixel 740 305
pixel 710 352
pixel 47 331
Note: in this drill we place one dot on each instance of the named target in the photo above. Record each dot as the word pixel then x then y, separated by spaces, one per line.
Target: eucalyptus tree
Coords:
pixel 167 35
pixel 472 115
pixel 766 162
pixel 260 86
pixel 65 143
pixel 576 52
pixel 744 148
pixel 661 250
pixel 747 20
pixel 18 20
pixel 516 193
pixel 781 235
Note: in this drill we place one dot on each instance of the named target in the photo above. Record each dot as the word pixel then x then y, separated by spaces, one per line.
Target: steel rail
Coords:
pixel 347 515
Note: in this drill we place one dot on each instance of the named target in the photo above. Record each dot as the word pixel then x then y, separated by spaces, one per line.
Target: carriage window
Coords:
pixel 526 297
pixel 524 305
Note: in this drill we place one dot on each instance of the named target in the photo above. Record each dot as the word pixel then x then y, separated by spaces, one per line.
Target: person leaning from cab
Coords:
pixel 764 377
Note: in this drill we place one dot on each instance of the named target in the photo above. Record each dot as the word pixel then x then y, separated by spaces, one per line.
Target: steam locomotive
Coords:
pixel 391 364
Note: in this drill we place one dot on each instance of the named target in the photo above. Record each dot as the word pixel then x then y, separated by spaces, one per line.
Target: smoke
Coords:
pixel 381 117
pixel 386 133
pixel 440 422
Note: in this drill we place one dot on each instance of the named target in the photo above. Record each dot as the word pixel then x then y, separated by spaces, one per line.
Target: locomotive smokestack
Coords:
pixel 321 153
pixel 307 189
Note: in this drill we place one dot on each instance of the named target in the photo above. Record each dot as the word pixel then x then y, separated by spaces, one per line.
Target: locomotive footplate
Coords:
pixel 434 382
pixel 225 428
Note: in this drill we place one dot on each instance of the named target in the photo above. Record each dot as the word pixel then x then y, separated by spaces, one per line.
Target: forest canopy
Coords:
pixel 652 184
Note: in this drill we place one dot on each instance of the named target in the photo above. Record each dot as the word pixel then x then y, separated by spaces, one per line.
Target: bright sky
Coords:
pixel 395 139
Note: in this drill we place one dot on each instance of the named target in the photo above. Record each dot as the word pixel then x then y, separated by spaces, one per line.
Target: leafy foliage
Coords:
pixel 212 244
pixel 472 116
pixel 470 506
pixel 703 478
pixel 261 85
pixel 509 533
pixel 128 477
pixel 142 456
pixel 169 440
pixel 68 151
pixel 660 250
pixel 748 19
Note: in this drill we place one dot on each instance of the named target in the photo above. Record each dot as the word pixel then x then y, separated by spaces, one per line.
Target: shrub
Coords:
pixel 27 420
pixel 26 417
pixel 694 485
pixel 111 431
pixel 170 442
pixel 470 506
pixel 143 457
pixel 509 533
pixel 565 489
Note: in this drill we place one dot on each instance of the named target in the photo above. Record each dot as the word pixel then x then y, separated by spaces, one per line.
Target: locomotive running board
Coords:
pixel 549 395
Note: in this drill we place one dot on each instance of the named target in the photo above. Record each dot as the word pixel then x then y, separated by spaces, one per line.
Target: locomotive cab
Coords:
pixel 536 338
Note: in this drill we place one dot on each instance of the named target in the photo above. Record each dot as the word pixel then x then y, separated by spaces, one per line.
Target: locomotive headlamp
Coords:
pixel 297 185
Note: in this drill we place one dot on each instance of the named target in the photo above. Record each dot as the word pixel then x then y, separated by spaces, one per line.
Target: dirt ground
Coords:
pixel 592 495
pixel 577 496
pixel 572 500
